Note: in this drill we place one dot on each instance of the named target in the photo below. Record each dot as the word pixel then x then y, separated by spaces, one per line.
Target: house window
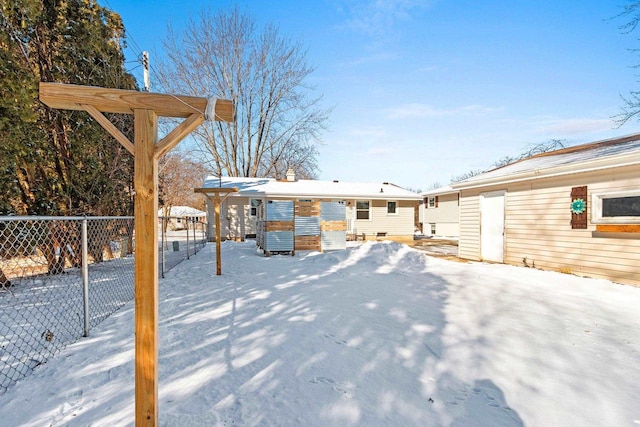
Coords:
pixel 255 203
pixel 433 228
pixel 621 206
pixel 392 208
pixel 362 209
pixel 432 202
pixel 616 208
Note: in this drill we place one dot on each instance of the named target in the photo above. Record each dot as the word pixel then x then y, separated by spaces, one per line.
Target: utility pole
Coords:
pixel 145 64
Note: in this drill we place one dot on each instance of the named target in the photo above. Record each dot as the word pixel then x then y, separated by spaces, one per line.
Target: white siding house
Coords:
pixel 440 212
pixel 177 216
pixel 373 210
pixel 575 210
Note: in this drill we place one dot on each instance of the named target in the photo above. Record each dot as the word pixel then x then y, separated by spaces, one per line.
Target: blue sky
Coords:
pixel 426 90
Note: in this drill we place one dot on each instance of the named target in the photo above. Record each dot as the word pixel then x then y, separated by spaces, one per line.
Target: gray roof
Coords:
pixel 580 158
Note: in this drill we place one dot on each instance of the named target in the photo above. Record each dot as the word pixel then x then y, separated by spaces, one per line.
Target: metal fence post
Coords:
pixel 52 301
pixel 195 233
pixel 85 276
pixel 162 233
pixel 187 220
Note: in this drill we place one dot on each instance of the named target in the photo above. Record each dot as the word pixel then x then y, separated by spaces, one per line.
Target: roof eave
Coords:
pixel 336 196
pixel 265 194
pixel 622 160
pixel 439 193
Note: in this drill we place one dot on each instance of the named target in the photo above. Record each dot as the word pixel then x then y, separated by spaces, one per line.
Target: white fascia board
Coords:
pixel 257 195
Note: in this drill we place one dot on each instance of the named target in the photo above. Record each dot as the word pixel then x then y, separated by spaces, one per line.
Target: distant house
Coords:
pixel 440 212
pixel 370 210
pixel 177 216
pixel 575 210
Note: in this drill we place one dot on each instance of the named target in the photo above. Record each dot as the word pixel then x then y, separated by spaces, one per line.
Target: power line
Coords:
pixel 141 56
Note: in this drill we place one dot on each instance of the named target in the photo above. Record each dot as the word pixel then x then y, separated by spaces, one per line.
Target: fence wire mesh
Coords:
pixel 60 277
pixel 179 239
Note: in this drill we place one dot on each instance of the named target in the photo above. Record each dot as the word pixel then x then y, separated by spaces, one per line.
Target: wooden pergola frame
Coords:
pixel 220 194
pixel 146 149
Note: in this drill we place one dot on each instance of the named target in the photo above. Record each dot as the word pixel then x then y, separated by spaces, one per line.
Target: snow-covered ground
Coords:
pixel 377 335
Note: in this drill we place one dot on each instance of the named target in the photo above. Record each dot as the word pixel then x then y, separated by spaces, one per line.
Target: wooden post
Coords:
pixel 218 234
pixel 217 201
pixel 146 267
pixel 146 108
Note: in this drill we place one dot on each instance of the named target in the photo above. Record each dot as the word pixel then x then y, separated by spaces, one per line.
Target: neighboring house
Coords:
pixel 371 210
pixel 440 212
pixel 177 216
pixel 575 210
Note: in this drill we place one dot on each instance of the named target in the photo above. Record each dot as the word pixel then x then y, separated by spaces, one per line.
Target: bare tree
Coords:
pixel 466 175
pixel 277 123
pixel 178 176
pixel 504 161
pixel 434 186
pixel 631 103
pixel 529 151
pixel 542 147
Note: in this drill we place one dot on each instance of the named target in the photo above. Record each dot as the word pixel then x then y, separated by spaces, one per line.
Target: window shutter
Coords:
pixel 436 201
pixel 579 221
pixel 426 203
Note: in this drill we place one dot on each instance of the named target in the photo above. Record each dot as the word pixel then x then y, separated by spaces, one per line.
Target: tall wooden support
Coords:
pixel 217 201
pixel 146 108
pixel 146 266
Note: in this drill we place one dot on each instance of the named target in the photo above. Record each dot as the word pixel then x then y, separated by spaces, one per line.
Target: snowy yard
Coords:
pixel 376 335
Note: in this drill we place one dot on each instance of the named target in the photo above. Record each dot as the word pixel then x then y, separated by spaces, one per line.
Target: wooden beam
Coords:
pixel 217 201
pixel 178 134
pixel 618 228
pixel 146 108
pixel 74 97
pixel 212 190
pixel 146 268
pixel 109 127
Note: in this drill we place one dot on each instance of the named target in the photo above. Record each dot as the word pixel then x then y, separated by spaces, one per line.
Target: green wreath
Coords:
pixel 578 206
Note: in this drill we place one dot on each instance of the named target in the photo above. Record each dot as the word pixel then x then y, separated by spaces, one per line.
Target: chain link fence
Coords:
pixel 179 239
pixel 61 276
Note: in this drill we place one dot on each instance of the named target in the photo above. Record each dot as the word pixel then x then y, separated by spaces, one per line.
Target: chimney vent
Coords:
pixel 291 175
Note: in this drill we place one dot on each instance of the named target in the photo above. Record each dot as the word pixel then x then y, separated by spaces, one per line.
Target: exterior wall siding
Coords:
pixel 397 227
pixel 211 218
pixel 446 216
pixel 538 230
pixel 447 210
pixel 400 225
pixel 235 219
pixel 447 229
pixel 469 243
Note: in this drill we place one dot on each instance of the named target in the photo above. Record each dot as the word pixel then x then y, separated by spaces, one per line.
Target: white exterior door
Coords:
pixel 492 226
pixel 351 219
